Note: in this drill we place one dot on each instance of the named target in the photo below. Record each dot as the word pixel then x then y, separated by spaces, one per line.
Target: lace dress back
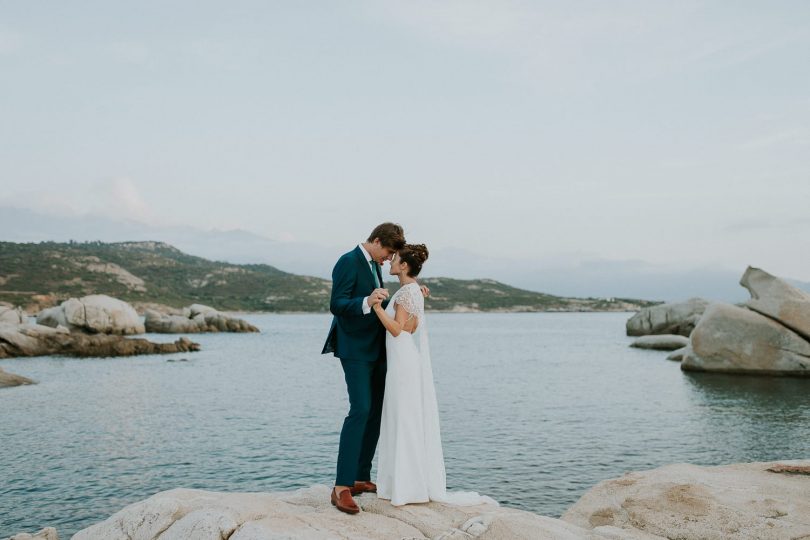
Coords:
pixel 410 466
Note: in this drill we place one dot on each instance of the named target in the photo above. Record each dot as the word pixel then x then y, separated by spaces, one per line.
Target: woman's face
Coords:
pixel 397 266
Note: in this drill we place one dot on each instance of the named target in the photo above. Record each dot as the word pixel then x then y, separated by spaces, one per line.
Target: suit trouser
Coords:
pixel 365 382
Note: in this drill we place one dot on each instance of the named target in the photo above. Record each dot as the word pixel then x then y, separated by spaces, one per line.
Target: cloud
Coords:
pixel 120 198
pixel 117 198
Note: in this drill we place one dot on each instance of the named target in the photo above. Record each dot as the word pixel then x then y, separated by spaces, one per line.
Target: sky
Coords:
pixel 673 133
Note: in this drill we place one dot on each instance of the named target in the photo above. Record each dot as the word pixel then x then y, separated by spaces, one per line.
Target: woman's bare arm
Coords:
pixel 402 320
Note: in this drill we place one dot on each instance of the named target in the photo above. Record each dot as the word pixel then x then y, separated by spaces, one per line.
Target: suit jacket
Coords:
pixel 354 336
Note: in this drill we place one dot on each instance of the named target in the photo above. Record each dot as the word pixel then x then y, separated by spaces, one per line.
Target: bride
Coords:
pixel 410 466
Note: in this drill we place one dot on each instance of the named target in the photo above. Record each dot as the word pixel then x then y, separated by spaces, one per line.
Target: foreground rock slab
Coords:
pixel 664 342
pixel 742 501
pixel 95 314
pixel 778 300
pixel 731 339
pixel 195 318
pixel 48 533
pixel 673 318
pixel 10 379
pixel 37 340
pixel 202 515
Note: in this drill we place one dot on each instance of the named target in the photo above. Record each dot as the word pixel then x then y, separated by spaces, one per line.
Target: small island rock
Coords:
pixel 195 318
pixel 10 379
pixel 663 342
pixel 37 340
pixel 94 314
pixel 673 318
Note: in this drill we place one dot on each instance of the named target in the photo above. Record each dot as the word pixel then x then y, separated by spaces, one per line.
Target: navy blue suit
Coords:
pixel 359 341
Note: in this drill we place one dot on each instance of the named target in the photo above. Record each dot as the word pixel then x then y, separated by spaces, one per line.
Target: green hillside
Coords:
pixel 36 275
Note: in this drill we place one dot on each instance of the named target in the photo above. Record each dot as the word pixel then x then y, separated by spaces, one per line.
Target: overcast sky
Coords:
pixel 676 133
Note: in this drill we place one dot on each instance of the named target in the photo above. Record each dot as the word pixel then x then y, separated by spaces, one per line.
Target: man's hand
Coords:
pixel 425 291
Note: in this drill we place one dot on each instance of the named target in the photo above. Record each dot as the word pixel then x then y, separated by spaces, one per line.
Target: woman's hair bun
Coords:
pixel 415 255
pixel 420 251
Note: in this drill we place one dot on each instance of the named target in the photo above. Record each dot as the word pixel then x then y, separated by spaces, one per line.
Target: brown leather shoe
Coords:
pixel 364 486
pixel 344 502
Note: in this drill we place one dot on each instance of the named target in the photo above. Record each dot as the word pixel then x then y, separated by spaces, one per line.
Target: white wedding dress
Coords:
pixel 410 467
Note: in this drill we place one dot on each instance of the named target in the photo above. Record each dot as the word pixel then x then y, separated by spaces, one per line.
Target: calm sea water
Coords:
pixel 535 409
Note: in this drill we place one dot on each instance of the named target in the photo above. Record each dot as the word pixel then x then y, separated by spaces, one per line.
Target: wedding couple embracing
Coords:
pixel 382 344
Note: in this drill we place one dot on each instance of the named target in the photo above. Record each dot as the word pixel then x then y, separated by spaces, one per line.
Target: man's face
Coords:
pixel 380 253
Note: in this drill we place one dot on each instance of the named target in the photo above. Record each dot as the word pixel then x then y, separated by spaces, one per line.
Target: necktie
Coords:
pixel 374 273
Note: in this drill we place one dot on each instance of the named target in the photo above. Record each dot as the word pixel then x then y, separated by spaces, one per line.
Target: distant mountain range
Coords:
pixel 37 275
pixel 572 277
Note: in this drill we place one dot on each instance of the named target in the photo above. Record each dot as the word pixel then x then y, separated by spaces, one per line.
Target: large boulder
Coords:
pixel 196 318
pixel 186 514
pixel 10 379
pixel 688 502
pixel 778 300
pixel 737 340
pixel 94 314
pixel 663 342
pixel 38 340
pixel 12 315
pixel 673 318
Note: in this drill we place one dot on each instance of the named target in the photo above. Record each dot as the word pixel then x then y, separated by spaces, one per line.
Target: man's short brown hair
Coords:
pixel 391 235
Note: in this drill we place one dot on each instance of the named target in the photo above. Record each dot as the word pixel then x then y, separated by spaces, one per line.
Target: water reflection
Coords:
pixel 752 395
pixel 757 418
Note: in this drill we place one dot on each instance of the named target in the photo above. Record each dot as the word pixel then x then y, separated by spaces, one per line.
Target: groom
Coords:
pixel 358 338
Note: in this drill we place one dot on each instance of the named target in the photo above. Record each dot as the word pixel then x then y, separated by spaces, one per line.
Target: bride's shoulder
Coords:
pixel 414 291
pixel 409 293
pixel 414 288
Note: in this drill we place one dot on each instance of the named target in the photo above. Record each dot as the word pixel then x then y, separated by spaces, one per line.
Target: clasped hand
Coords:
pixel 377 296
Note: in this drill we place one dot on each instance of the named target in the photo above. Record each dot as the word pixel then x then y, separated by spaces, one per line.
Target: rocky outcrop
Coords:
pixel 38 340
pixel 12 315
pixel 737 340
pixel 94 314
pixel 195 318
pixel 48 533
pixel 677 355
pixel 778 300
pixel 673 318
pixel 663 342
pixel 10 379
pixel 742 501
pixel 747 501
pixel 185 514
